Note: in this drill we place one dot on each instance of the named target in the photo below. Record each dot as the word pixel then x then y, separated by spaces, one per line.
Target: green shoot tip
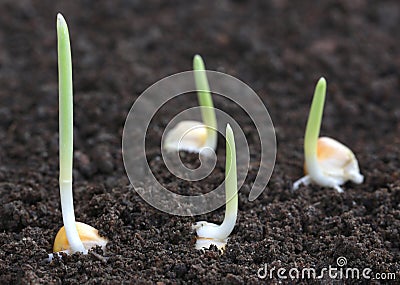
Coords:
pixel 60 20
pixel 321 86
pixel 228 128
pixel 198 63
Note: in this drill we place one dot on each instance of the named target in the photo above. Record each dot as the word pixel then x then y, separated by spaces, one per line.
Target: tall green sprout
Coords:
pixel 66 133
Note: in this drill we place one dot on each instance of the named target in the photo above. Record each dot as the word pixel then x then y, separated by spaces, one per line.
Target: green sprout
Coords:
pixel 212 234
pixel 73 237
pixel 194 136
pixel 205 101
pixel 328 162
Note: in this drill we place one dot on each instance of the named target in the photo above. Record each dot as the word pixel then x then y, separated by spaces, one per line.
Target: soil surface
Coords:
pixel 280 49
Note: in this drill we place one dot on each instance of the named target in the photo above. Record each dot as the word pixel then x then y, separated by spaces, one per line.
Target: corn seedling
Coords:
pixel 211 234
pixel 194 136
pixel 328 162
pixel 73 237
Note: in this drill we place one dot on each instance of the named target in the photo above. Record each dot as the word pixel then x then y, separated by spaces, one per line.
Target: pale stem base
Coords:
pixel 67 208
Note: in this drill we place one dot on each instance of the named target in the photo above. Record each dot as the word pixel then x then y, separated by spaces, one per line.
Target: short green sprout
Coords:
pixel 212 234
pixel 194 136
pixel 73 237
pixel 205 101
pixel 328 162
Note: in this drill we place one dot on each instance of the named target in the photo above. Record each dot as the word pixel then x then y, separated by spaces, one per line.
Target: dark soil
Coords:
pixel 279 48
